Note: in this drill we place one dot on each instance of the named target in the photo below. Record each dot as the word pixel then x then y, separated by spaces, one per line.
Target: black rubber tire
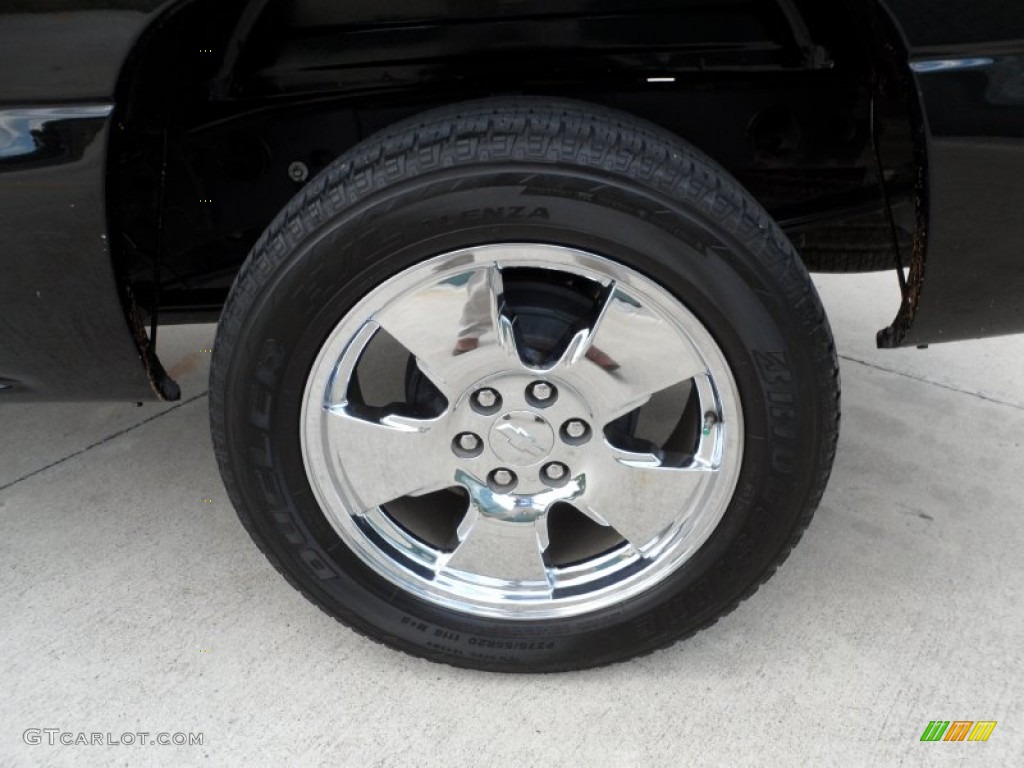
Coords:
pixel 522 169
pixel 863 244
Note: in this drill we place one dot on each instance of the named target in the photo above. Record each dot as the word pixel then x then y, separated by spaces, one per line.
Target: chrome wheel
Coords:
pixel 527 466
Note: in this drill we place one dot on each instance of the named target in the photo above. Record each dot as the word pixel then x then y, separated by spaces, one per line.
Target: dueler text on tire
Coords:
pixel 524 384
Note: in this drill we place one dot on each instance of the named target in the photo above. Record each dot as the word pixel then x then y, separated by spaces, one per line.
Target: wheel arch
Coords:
pixel 201 100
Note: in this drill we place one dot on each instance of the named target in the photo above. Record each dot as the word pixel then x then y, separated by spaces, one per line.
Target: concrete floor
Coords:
pixel 132 600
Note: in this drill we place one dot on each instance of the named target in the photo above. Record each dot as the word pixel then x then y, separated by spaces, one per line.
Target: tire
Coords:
pixel 608 261
pixel 859 245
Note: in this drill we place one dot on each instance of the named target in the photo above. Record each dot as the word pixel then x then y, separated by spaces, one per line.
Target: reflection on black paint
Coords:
pixel 31 138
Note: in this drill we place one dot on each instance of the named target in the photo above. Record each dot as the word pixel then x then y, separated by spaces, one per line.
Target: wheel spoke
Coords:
pixel 456 329
pixel 636 495
pixel 630 353
pixel 500 549
pixel 391 458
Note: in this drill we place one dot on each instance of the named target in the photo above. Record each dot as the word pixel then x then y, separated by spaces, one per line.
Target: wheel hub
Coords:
pixel 526 437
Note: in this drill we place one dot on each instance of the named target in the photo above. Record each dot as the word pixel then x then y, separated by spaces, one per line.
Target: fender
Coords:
pixel 69 328
pixel 967 273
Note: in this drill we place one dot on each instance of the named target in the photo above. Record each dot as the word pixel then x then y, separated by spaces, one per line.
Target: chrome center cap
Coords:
pixel 521 438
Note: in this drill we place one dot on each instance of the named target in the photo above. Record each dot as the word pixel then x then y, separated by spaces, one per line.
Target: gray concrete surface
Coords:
pixel 132 600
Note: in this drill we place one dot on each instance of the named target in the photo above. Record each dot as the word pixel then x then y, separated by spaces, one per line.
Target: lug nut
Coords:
pixel 575 432
pixel 486 399
pixel 541 391
pixel 503 479
pixel 555 471
pixel 540 394
pixel 466 445
pixel 575 429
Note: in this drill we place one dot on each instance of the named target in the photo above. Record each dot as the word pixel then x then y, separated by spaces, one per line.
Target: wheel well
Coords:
pixel 224 109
